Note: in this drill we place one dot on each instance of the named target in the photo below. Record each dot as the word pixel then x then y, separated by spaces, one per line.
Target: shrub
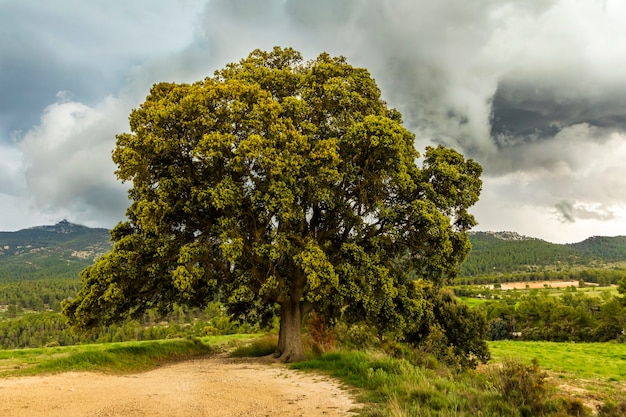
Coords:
pixel 357 336
pixel 455 334
pixel 323 337
pixel 499 329
pixel 522 385
pixel 611 409
pixel 261 346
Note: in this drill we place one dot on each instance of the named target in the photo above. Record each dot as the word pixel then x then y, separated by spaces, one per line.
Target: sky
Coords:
pixel 533 90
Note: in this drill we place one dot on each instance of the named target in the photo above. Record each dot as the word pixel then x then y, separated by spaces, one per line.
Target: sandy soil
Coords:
pixel 212 386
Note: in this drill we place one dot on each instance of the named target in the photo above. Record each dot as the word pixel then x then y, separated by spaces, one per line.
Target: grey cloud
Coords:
pixel 532 90
pixel 30 77
pixel 85 48
pixel 529 111
pixel 570 212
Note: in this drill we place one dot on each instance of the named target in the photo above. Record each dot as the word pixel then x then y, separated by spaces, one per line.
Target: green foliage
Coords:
pixel 33 330
pixel 40 295
pixel 279 181
pixel 454 333
pixel 499 329
pixel 571 316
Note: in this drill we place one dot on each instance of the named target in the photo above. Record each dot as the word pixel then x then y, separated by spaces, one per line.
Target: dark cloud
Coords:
pixel 34 68
pixel 528 111
pixel 534 90
pixel 84 48
pixel 29 85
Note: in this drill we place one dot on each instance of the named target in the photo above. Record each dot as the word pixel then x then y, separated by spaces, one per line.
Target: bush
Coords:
pixel 499 329
pixel 611 409
pixel 323 338
pixel 261 346
pixel 522 385
pixel 455 334
pixel 357 336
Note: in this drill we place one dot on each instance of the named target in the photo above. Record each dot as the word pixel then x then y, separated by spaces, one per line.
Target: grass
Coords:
pixel 601 361
pixel 394 387
pixel 110 357
pixel 262 346
pixel 595 372
pixel 473 302
pixel 580 377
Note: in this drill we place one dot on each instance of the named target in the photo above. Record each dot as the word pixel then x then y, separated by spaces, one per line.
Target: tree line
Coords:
pixel 570 317
pixel 600 276
pixel 33 330
pixel 40 295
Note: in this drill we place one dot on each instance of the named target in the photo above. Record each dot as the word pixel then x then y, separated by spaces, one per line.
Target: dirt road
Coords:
pixel 214 386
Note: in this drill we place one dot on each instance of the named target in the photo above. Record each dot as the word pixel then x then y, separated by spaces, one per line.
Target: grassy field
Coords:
pixel 601 361
pixel 594 372
pixel 551 288
pixel 110 357
pixel 473 302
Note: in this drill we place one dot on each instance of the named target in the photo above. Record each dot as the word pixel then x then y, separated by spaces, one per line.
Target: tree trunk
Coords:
pixel 289 337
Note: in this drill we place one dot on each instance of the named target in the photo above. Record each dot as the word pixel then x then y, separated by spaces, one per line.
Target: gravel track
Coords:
pixel 213 386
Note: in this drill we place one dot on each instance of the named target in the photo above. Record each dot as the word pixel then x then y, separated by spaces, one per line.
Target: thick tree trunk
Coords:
pixel 290 338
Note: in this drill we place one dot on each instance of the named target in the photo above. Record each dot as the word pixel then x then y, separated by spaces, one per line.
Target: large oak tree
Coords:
pixel 280 183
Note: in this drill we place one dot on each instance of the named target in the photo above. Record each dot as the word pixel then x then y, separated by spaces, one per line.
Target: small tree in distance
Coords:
pixel 285 183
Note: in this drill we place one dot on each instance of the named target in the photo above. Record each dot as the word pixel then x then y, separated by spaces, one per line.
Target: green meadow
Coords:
pixel 601 361
pixel 111 357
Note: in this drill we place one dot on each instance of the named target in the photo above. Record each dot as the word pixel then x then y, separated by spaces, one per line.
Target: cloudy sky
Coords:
pixel 534 90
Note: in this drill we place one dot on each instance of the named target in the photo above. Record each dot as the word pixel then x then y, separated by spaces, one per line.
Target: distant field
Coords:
pixel 554 288
pixel 473 302
pixel 601 361
pixel 593 372
pixel 537 284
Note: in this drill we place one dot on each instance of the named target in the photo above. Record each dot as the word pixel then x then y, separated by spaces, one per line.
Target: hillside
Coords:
pixel 505 252
pixel 58 251
pixel 64 249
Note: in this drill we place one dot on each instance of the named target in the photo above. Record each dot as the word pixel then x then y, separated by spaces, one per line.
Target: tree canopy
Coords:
pixel 280 183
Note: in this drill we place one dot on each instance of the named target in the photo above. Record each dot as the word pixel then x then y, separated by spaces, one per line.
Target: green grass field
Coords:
pixel 600 361
pixel 111 357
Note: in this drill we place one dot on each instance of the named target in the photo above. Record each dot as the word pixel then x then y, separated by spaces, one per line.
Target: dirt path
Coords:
pixel 213 386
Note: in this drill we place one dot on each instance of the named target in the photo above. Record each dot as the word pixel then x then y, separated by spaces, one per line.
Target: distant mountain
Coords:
pixel 506 252
pixel 58 251
pixel 64 249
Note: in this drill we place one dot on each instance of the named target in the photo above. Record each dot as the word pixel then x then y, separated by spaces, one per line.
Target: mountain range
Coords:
pixel 64 249
pixel 509 252
pixel 57 251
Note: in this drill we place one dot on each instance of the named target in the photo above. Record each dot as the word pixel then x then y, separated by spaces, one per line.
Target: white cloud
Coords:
pixel 68 159
pixel 555 63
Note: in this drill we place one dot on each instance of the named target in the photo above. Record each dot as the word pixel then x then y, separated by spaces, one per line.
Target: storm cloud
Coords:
pixel 534 91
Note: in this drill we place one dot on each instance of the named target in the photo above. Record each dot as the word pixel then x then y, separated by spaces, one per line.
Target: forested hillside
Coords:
pixel 508 252
pixel 64 249
pixel 50 252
